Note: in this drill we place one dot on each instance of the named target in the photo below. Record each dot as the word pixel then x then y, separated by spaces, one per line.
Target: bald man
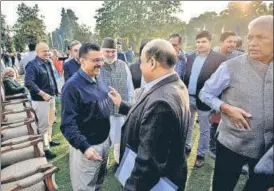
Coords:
pixel 40 81
pixel 245 132
pixel 156 125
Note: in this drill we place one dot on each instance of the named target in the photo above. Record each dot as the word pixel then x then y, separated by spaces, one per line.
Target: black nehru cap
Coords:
pixel 108 43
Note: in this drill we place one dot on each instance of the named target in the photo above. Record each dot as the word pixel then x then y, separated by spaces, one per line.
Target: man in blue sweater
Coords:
pixel 85 121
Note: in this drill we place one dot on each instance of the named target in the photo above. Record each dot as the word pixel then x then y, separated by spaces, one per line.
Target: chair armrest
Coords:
pixel 11 102
pixel 16 96
pixel 36 178
pixel 18 111
pixel 21 146
pixel 28 121
pixel 20 140
pixel 21 175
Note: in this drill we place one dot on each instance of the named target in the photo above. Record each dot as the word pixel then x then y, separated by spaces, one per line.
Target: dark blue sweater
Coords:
pixel 85 111
pixel 70 68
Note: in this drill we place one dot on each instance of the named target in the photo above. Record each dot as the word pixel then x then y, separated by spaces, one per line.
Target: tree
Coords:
pixel 83 34
pixel 137 20
pixel 3 31
pixel 28 25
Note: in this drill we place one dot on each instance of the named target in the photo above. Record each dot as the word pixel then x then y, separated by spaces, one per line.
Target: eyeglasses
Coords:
pixel 96 60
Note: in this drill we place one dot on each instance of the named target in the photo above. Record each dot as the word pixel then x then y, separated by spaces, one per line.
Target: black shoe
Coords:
pixel 49 154
pixel 115 168
pixel 54 143
pixel 188 151
pixel 200 161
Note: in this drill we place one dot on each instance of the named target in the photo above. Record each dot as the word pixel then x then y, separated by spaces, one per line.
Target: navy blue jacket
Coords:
pixel 70 67
pixel 36 79
pixel 85 111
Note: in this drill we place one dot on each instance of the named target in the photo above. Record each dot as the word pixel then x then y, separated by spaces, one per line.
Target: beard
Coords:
pixel 110 61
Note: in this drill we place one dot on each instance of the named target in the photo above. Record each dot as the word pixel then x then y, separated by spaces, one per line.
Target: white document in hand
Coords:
pixel 126 166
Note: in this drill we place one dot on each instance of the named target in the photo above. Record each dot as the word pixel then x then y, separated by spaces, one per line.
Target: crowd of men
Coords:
pixel 150 106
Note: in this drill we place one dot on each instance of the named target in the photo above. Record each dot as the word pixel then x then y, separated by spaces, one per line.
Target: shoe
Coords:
pixel 187 151
pixel 212 154
pixel 54 143
pixel 200 161
pixel 49 154
pixel 245 170
pixel 115 168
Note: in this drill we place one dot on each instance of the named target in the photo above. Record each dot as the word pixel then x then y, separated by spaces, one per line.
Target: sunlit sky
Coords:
pixel 85 10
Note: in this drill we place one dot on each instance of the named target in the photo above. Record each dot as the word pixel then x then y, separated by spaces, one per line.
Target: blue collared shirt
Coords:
pixel 180 66
pixel 85 111
pixel 195 72
pixel 149 85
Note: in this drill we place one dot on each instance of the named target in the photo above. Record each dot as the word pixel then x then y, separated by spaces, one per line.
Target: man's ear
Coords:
pixel 153 63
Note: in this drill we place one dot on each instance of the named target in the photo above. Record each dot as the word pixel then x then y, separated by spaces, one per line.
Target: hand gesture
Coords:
pixel 238 116
pixel 115 96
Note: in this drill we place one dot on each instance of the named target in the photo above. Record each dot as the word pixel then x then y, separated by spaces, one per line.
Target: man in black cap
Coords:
pixel 116 73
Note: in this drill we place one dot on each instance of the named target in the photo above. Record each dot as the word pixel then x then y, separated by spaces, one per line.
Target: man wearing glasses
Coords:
pixel 73 65
pixel 116 74
pixel 85 121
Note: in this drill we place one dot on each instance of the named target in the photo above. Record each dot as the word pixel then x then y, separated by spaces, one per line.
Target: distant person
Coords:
pixel 137 77
pixel 199 67
pixel 228 41
pixel 239 44
pixel 130 55
pixel 120 54
pixel 73 65
pixel 27 58
pixel 177 42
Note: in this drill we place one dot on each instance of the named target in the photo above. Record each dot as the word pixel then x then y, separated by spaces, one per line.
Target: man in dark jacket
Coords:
pixel 40 81
pixel 200 66
pixel 72 66
pixel 135 70
pixel 157 123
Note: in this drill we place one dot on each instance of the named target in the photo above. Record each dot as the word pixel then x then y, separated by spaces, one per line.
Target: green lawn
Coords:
pixel 198 179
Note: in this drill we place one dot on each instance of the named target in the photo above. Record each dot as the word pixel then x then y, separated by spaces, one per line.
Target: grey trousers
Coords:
pixel 203 117
pixel 116 124
pixel 88 175
pixel 45 111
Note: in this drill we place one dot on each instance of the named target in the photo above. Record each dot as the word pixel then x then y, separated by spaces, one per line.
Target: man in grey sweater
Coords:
pixel 245 132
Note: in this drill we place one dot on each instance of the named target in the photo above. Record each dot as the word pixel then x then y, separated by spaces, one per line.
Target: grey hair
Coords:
pixel 8 70
pixel 73 43
pixel 266 19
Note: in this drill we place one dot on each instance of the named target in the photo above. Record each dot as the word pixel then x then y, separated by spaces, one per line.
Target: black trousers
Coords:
pixel 228 167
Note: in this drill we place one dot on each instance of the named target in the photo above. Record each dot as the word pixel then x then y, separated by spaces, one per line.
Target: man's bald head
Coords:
pixel 42 50
pixel 162 51
pixel 158 58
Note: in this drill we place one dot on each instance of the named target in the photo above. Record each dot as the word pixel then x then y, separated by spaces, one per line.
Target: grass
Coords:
pixel 198 179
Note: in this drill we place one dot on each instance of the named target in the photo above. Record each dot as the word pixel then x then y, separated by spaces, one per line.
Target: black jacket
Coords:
pixel 156 128
pixel 136 74
pixel 212 62
pixel 37 78
pixel 12 86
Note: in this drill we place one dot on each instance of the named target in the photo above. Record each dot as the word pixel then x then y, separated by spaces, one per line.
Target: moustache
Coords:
pixel 97 66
